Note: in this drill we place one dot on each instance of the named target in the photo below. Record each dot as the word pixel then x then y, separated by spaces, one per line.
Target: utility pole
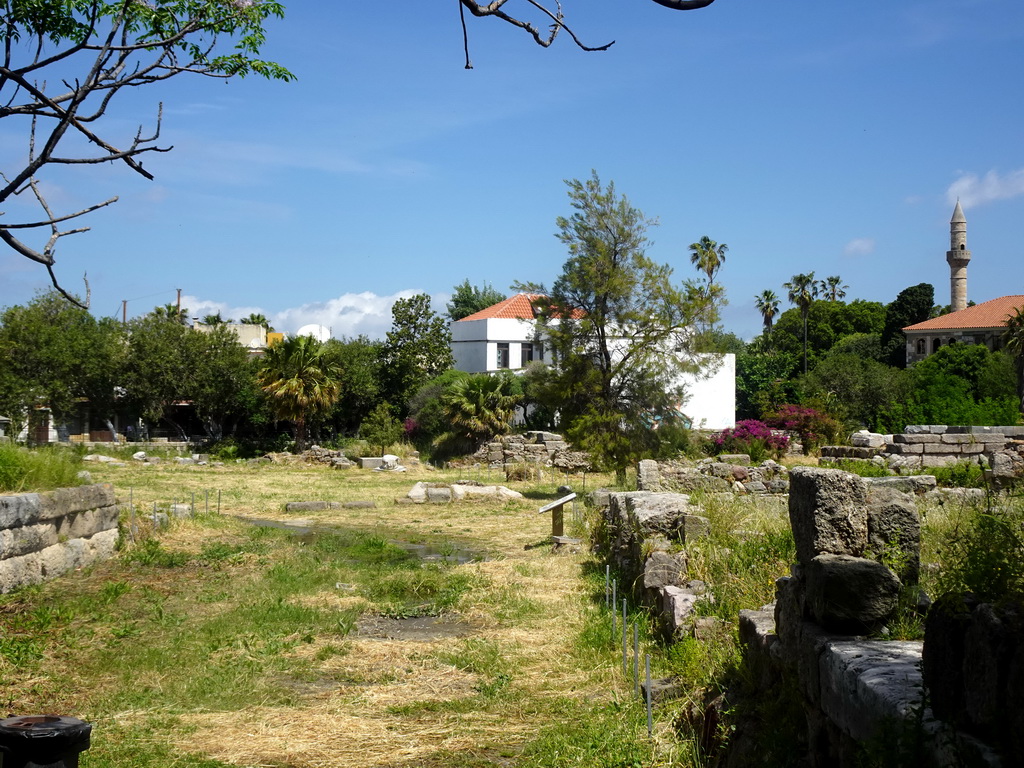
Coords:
pixel 179 304
pixel 124 311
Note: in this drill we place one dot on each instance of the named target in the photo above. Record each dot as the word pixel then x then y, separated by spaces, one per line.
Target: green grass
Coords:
pixel 40 469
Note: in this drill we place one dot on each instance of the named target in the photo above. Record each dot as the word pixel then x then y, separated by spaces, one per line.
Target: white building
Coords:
pixel 504 337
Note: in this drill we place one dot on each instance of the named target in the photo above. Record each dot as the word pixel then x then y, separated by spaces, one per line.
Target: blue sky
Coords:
pixel 805 135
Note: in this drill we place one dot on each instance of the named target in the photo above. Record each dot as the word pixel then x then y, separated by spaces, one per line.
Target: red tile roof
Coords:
pixel 988 314
pixel 518 307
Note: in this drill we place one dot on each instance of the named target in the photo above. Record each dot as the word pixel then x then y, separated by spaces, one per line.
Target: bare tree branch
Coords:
pixel 125 44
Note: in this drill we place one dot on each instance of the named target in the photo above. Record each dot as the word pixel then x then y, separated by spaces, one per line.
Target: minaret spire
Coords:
pixel 957 257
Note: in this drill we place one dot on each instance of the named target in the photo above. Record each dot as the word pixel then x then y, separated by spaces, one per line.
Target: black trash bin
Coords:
pixel 42 741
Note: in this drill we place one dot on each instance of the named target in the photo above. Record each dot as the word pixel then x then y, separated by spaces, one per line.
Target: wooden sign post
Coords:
pixel 557 515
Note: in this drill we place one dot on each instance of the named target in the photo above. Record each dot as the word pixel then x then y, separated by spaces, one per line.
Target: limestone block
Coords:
pixel 894 532
pixel 741 459
pixel 677 605
pixel 827 511
pixel 507 494
pixel 850 594
pixel 308 506
pixel 865 439
pixel 87 523
pixel 65 501
pixel 16 542
pixel 867 685
pixel 18 571
pixel 418 493
pixel 359 505
pixel 694 527
pixel 458 492
pixel 439 495
pixel 953 439
pixel 370 462
pixel 103 545
pixel 663 569
pixel 648 476
pixel 19 510
pixel 914 484
pixel 941 449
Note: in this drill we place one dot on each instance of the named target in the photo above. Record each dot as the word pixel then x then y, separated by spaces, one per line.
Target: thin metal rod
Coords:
pixel 650 717
pixel 636 659
pixel 625 641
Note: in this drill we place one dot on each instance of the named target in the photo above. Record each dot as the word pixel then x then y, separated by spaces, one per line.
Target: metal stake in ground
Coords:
pixel 607 584
pixel 647 672
pixel 625 642
pixel 636 659
pixel 207 501
pixel 614 604
pixel 218 501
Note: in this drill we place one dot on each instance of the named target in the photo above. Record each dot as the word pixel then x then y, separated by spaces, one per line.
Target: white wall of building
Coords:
pixel 711 395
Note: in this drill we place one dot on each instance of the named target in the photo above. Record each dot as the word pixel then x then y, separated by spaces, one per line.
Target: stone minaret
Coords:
pixel 957 257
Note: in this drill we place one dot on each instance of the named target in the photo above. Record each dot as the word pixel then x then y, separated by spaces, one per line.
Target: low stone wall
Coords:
pixel 722 474
pixel 531 447
pixel 45 535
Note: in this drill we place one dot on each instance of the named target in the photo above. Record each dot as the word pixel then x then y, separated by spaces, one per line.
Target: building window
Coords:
pixel 527 354
pixel 503 356
pixel 921 346
pixel 936 343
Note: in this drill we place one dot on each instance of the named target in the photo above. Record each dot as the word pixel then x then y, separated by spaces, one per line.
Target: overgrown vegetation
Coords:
pixel 22 469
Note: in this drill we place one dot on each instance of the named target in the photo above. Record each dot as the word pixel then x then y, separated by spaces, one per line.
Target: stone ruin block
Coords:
pixel 828 512
pixel 850 594
pixel 973 667
pixel 894 532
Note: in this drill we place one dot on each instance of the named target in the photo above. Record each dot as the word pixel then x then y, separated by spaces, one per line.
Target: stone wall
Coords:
pixel 45 535
pixel 857 694
pixel 725 473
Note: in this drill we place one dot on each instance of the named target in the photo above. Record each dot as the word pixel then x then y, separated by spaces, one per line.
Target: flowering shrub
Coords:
pixel 814 427
pixel 752 437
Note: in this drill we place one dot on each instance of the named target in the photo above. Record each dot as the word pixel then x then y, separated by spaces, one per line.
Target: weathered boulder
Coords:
pixel 828 512
pixel 850 594
pixel 310 506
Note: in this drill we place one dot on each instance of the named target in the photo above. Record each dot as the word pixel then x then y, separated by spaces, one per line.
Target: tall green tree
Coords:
pixel 767 304
pixel 55 354
pixel 1013 341
pixel 171 312
pixel 803 290
pixel 358 363
pixel 468 299
pixel 911 305
pixel 301 382
pixel 708 257
pixel 832 288
pixel 615 322
pixel 417 348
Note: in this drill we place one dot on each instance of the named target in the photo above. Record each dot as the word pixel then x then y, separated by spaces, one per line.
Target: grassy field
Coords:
pixel 217 642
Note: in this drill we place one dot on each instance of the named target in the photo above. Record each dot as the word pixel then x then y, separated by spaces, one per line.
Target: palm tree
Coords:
pixel 300 380
pixel 767 304
pixel 832 288
pixel 708 256
pixel 803 290
pixel 216 319
pixel 171 312
pixel 480 407
pixel 1013 340
pixel 257 318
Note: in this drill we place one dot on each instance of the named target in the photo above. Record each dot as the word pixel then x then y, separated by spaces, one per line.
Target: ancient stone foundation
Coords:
pixel 44 535
pixel 857 695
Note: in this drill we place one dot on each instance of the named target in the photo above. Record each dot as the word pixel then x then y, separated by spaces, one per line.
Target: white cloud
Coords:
pixel 972 190
pixel 348 315
pixel 860 246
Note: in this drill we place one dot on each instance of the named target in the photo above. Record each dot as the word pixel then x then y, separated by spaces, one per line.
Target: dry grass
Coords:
pixel 380 702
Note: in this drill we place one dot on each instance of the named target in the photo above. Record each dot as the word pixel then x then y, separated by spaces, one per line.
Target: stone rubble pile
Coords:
pixel 647 538
pixel 713 475
pixel 529 448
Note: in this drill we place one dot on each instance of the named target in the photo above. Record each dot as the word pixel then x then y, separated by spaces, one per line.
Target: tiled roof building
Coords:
pixel 983 323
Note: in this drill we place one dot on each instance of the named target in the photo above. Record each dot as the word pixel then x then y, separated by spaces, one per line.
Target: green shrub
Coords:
pixel 962 474
pixel 984 554
pixel 39 469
